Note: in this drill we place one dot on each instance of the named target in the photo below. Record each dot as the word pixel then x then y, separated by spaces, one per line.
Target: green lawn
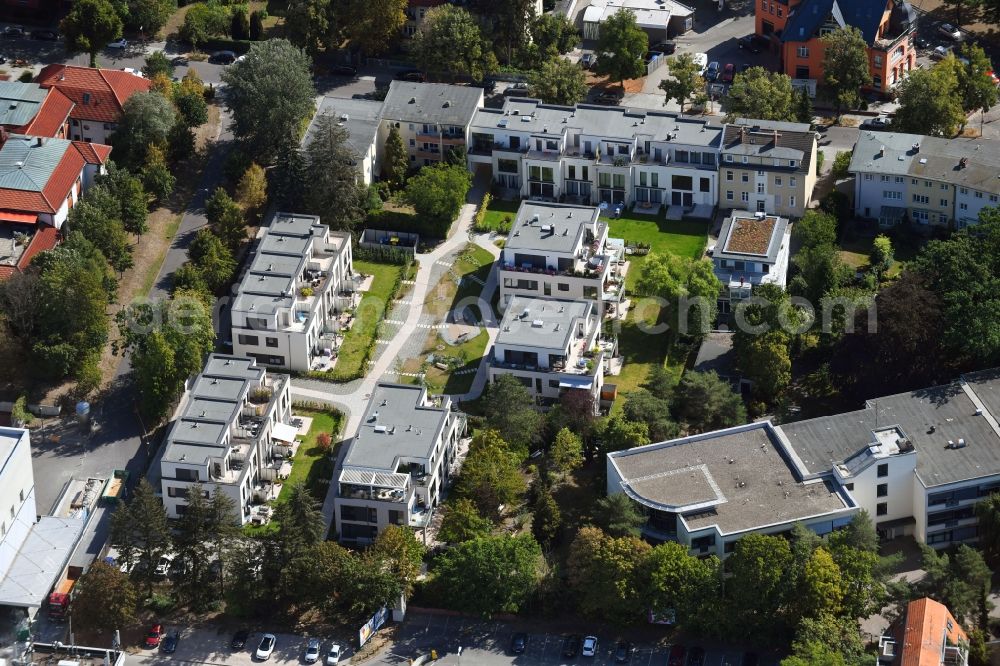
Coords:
pixel 310 465
pixel 467 355
pixel 371 310
pixel 446 294
pixel 855 251
pixel 497 211
pixel 684 238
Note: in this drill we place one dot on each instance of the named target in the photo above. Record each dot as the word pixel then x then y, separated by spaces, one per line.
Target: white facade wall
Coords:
pixel 968 203
pixel 899 479
pixel 17 497
pixel 91 131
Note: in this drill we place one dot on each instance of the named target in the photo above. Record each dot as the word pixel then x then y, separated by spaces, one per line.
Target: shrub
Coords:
pixel 481 213
pixel 19 414
pixel 26 76
pixel 324 441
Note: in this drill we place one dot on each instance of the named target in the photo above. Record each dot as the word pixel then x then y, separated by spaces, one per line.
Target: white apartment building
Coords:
pixel 230 434
pixel 596 154
pixel 34 551
pixel 432 118
pixel 752 249
pixel 400 459
pixel 562 251
pixel 924 179
pixel 360 120
pixel 300 277
pixel 917 462
pixel 551 346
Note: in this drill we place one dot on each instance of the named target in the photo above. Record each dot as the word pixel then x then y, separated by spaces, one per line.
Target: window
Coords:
pixel 892 196
pixel 249 340
pixel 793 164
pixel 993 198
pixel 572 172
pixel 777 181
pixel 883 470
pixel 642 179
pixel 944 202
pixel 885 178
pixel 869 176
pixel 760 188
pixel 944 186
pixel 745 177
pixel 654 179
pixel 705 185
pixel 729 158
pixel 271 342
pixel 780 12
pixel 921 199
pixel 927 183
pixel 979 195
pixel 562 286
pixel 882 490
pixel 963 190
pixel 963 206
pixel 878 61
pixel 746 159
pixel 777 202
pixel 791 181
pixel 899 179
pixel 744 197
pixel 881 509
pixel 729 175
pixel 760 173
pixel 791 202
pixel 729 195
pixel 413 142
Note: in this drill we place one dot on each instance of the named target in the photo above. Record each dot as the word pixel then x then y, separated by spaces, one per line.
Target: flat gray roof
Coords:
pixel 559 227
pixel 770 139
pixel 526 114
pixel 436 103
pixel 9 437
pixel 738 479
pixel 213 405
pixel 929 418
pixel 359 117
pixel 541 323
pixel 40 561
pixel 929 158
pixel 397 423
pixel 745 236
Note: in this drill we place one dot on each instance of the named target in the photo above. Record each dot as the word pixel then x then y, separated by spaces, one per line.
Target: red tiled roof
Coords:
pixel 926 632
pixel 44 239
pixel 93 153
pixel 51 117
pixel 107 89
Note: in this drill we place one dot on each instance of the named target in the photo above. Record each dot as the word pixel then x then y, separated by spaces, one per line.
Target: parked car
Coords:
pixel 940 52
pixel 223 57
pixel 239 639
pixel 45 35
pixel 588 60
pixel 571 646
pixel 413 75
pixel 118 44
pixel 749 43
pixel 728 72
pixel 14 31
pixel 712 71
pixel 312 651
pixel 609 98
pixel 589 648
pixel 696 657
pixel 667 48
pixel 922 42
pixel 653 55
pixel 266 647
pixel 700 59
pixel 948 31
pixel 518 643
pixel 169 644
pixel 677 654
pixel 163 566
pixel 344 70
pixel 333 655
pixel 154 636
pixel 623 652
pixel 878 124
pixel 518 89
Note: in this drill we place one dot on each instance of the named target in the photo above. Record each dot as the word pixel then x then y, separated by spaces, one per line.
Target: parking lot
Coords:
pixel 201 646
pixel 488 643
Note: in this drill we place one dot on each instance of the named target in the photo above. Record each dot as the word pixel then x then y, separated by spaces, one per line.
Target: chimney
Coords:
pixel 776 136
pixel 39 141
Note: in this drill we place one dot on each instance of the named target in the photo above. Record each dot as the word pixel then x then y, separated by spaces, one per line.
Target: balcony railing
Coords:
pixel 588 274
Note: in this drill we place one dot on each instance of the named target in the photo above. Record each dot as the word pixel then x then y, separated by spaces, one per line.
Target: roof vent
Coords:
pixel 344 117
pixel 565 232
pixel 447 104
pixel 380 428
pixel 413 100
pixel 525 119
pixel 537 323
pixel 962 163
pixel 979 412
pixel 923 160
pixel 13 105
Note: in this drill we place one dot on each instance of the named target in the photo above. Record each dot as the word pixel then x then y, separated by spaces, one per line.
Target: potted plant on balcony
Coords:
pixel 306 292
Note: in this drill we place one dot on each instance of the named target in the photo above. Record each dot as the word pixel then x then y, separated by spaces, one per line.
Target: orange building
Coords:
pixel 796 28
pixel 926 635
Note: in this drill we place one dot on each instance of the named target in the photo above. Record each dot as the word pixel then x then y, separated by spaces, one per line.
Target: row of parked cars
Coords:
pixel 167 643
pixel 20 32
pixel 587 646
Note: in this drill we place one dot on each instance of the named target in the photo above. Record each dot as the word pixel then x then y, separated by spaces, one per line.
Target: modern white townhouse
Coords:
pixel 360 120
pixel 752 249
pixel 432 118
pixel 398 462
pixel 767 167
pixel 596 154
pixel 917 462
pixel 551 346
pixel 286 309
pixel 925 180
pixel 562 251
pixel 231 434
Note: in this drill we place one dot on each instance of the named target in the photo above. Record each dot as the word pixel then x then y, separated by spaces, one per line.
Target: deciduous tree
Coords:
pixel 758 568
pixel 643 407
pixel 684 82
pixel 148 16
pixel 491 476
pixel 270 93
pixel 437 193
pixel 567 451
pixel 553 34
pixel 759 93
pixel 90 26
pixel 371 25
pixel 510 410
pixel 622 45
pixel 976 80
pixel 104 599
pixel 929 102
pixel 189 98
pixel 461 521
pixel 845 66
pixel 619 434
pixel 489 575
pixel 604 573
pixel 546 518
pixel 156 176
pixel 688 287
pixel 251 192
pixel 307 24
pixel 706 402
pixel 127 191
pixel 449 42
pixel 558 81
pixel 203 21
pixel 147 118
pixel 396 549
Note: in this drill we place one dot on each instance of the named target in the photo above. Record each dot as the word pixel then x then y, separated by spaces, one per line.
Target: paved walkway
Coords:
pixel 351 398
